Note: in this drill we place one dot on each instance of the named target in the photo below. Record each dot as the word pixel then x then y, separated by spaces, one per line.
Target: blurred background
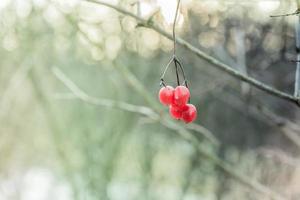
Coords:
pixel 79 113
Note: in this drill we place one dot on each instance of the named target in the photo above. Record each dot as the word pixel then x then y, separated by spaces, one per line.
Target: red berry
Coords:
pixel 166 95
pixel 181 95
pixel 190 114
pixel 175 111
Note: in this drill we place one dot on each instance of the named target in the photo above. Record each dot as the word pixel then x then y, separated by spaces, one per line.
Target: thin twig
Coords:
pixel 285 15
pixel 297 73
pixel 220 65
pixel 174 58
pixel 297 12
pixel 174 27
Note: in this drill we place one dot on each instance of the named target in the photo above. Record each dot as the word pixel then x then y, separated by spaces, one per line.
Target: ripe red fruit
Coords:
pixel 175 111
pixel 190 114
pixel 181 95
pixel 166 95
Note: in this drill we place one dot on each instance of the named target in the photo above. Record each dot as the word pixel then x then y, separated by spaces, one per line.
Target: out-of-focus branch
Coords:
pixel 78 93
pixel 241 57
pixel 16 81
pixel 194 160
pixel 280 156
pixel 297 73
pixel 182 131
pixel 220 65
pixel 289 129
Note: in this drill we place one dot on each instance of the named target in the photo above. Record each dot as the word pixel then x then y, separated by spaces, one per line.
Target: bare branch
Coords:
pixel 297 73
pixel 297 12
pixel 286 15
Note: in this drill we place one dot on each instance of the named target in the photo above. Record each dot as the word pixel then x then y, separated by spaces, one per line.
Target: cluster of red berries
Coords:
pixel 177 100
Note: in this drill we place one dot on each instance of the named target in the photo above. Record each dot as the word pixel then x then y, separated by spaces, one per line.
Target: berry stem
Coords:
pixel 174 58
pixel 182 71
pixel 176 69
pixel 174 26
pixel 162 81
